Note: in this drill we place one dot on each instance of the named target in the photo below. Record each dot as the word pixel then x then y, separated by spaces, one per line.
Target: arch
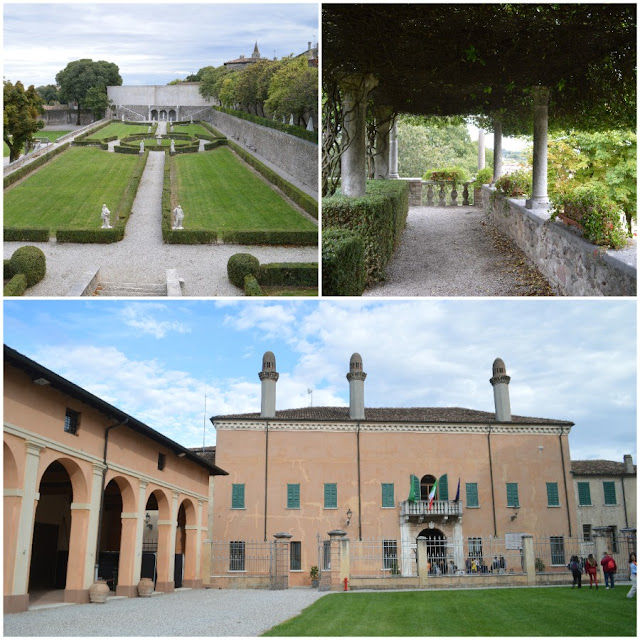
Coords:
pixel 154 114
pixel 172 114
pixel 436 550
pixel 186 541
pixel 426 484
pixel 76 474
pixel 11 478
pixel 110 535
pixel 127 492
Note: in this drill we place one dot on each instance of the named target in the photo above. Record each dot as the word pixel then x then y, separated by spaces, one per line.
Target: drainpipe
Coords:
pixel 564 479
pixel 359 496
pixel 493 497
pixel 104 475
pixel 266 476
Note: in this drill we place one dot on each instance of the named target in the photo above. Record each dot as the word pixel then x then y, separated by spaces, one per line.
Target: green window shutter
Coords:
pixel 609 492
pixel 388 498
pixel 414 492
pixel 237 496
pixel 330 495
pixel 512 494
pixel 443 488
pixel 293 496
pixel 472 494
pixel 584 494
pixel 553 500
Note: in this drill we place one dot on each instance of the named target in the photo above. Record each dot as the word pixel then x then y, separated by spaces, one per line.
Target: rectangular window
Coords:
pixel 388 497
pixel 237 496
pixel 162 461
pixel 475 547
pixel 71 422
pixel 553 500
pixel 512 494
pixel 586 532
pixel 295 556
pixel 326 555
pixel 293 496
pixel 472 494
pixel 390 555
pixel 236 556
pixel 609 492
pixel 330 495
pixel 557 550
pixel 584 494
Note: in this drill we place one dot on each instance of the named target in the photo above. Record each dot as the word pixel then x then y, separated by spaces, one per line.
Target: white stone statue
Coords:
pixel 123 117
pixel 171 129
pixel 173 146
pixel 191 119
pixel 141 146
pixel 291 119
pixel 178 217
pixel 105 217
pixel 159 140
pixel 310 124
pixel 149 129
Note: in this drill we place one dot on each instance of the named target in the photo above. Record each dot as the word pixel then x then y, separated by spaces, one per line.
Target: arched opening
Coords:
pixel 181 547
pixel 426 484
pixel 51 531
pixel 110 535
pixel 163 115
pixel 149 568
pixel 172 114
pixel 10 468
pixel 436 551
pixel 154 114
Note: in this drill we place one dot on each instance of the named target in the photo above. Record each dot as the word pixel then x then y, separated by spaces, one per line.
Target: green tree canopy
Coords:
pixel 211 80
pixel 48 93
pixel 20 117
pixel 97 100
pixel 79 76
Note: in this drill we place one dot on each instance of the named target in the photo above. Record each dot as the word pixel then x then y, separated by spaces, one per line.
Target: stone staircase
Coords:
pixel 130 289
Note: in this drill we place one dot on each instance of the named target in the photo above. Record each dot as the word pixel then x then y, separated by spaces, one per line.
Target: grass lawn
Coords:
pixel 217 190
pixel 165 142
pixel 118 129
pixel 549 611
pixel 52 135
pixel 69 190
pixel 190 129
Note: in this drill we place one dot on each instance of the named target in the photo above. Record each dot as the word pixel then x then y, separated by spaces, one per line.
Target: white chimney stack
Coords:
pixel 500 382
pixel 356 378
pixel 268 376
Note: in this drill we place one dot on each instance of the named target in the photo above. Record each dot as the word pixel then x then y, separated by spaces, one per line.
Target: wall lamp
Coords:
pixel 349 515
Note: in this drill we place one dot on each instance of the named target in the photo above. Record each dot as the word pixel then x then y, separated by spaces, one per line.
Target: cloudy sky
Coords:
pixel 152 43
pixel 568 359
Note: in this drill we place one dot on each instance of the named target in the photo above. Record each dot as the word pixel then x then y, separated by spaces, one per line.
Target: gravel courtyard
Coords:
pixel 198 612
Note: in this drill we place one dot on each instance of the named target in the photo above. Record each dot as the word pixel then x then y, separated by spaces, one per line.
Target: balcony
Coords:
pixel 440 510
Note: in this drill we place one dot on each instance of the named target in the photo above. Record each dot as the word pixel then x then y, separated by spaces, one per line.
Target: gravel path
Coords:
pixel 448 251
pixel 199 612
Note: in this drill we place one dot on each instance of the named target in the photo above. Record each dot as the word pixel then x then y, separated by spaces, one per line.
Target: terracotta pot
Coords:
pixel 98 592
pixel 145 587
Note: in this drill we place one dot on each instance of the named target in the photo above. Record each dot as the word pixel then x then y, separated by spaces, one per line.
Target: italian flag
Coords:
pixel 432 495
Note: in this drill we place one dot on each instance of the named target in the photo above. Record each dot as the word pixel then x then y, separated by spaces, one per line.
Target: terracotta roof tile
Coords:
pixel 598 468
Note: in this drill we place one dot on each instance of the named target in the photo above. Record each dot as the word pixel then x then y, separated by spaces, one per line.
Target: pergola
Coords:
pixel 507 65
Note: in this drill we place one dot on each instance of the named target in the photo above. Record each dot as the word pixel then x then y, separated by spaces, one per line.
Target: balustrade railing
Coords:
pixel 438 508
pixel 445 191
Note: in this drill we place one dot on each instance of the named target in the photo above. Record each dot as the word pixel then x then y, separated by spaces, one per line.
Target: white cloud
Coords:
pixel 142 316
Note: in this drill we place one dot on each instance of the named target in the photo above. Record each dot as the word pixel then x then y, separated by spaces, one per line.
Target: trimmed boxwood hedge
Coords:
pixel 294 130
pixel 379 218
pixel 8 271
pixel 218 142
pixel 26 234
pixel 98 236
pixel 343 269
pixel 130 150
pixel 304 274
pixel 90 132
pixel 213 130
pixel 251 286
pixel 16 286
pixel 298 238
pixel 32 166
pixel 240 265
pixel 31 262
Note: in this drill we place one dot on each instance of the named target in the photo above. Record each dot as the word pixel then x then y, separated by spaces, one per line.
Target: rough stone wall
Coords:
pixel 573 266
pixel 64 115
pixel 294 155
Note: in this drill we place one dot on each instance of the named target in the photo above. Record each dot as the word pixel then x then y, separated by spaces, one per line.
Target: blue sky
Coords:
pixel 568 359
pixel 152 43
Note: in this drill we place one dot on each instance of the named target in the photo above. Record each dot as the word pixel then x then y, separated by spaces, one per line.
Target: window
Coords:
pixel 472 494
pixel 237 496
pixel 388 498
pixel 236 556
pixel 390 555
pixel 326 555
pixel 330 495
pixel 295 556
pixel 557 550
pixel 475 547
pixel 586 532
pixel 293 496
pixel 512 494
pixel 71 422
pixel 553 500
pixel 584 494
pixel 162 461
pixel 609 489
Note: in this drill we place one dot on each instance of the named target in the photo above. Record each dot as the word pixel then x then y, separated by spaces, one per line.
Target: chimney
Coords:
pixel 309 45
pixel 268 376
pixel 356 378
pixel 500 383
pixel 628 464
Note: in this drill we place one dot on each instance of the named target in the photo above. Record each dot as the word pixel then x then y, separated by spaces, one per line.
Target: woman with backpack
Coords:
pixel 591 567
pixel 609 567
pixel 576 571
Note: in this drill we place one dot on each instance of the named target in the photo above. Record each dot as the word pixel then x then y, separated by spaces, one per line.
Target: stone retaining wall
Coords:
pixel 573 266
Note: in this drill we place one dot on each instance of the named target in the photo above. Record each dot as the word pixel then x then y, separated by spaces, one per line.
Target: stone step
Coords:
pixel 114 289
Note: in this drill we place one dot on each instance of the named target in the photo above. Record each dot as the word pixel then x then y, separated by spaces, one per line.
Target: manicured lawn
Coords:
pixel 217 191
pixel 552 611
pixel 119 129
pixel 68 192
pixel 165 142
pixel 52 135
pixel 190 129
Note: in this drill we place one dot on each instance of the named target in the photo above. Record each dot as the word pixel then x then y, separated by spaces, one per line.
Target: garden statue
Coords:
pixel 179 217
pixel 141 146
pixel 159 140
pixel 149 129
pixel 310 124
pixel 123 117
pixel 105 217
pixel 291 119
pixel 191 119
pixel 173 146
pixel 171 129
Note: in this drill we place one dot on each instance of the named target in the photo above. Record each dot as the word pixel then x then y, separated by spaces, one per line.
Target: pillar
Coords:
pixel 600 537
pixel 140 524
pixel 393 152
pixel 423 570
pixel 94 521
pixel 458 545
pixel 497 150
pixel 126 585
pixel 528 555
pixel 280 575
pixel 383 129
pixel 481 151
pixel 79 553
pixel 192 543
pixel 165 556
pixel 335 536
pixel 539 197
pixel 356 88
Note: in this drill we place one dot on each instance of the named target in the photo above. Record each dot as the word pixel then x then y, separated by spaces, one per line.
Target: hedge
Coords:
pixel 343 269
pixel 240 265
pixel 251 286
pixel 218 142
pixel 32 166
pixel 28 234
pixel 379 218
pixel 294 130
pixel 130 150
pixel 213 130
pixel 29 261
pixel 98 236
pixel 297 195
pixel 298 238
pixel 304 274
pixel 91 131
pixel 189 236
pixel 8 271
pixel 16 286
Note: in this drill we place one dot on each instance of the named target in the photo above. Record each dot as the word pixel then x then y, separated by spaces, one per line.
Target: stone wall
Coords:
pixel 187 94
pixel 295 156
pixel 573 266
pixel 64 115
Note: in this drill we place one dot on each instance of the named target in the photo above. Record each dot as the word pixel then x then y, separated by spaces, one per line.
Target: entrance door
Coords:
pixel 436 551
pixel 178 570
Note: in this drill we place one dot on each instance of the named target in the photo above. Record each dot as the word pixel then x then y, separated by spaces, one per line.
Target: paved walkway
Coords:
pixel 453 251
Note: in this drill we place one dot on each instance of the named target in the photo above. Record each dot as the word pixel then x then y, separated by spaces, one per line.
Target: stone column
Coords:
pixel 393 152
pixel 423 571
pixel 165 556
pixel 458 548
pixel 79 551
pixel 199 543
pixel 94 519
pixel 205 562
pixel 142 503
pixel 280 572
pixel 600 537
pixel 529 558
pixel 127 586
pixel 356 88
pixel 192 540
pixel 497 150
pixel 481 153
pixel 381 158
pixel 345 560
pixel 335 536
pixel 539 197
pixel 172 536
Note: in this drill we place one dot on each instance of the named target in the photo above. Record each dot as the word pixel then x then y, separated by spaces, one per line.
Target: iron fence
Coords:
pixel 249 558
pixel 378 559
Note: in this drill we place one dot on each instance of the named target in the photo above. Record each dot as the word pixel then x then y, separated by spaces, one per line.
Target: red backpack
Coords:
pixel 610 566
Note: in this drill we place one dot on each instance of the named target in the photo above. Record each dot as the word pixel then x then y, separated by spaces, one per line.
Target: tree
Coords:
pixel 97 100
pixel 293 89
pixel 211 81
pixel 79 76
pixel 20 118
pixel 176 81
pixel 49 93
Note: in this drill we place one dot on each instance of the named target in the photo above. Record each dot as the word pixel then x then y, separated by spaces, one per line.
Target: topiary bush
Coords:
pixel 251 286
pixel 343 267
pixel 241 265
pixel 31 261
pixel 8 271
pixel 16 286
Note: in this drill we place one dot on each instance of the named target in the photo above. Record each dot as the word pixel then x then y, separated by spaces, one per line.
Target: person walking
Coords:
pixel 633 568
pixel 591 567
pixel 576 571
pixel 609 567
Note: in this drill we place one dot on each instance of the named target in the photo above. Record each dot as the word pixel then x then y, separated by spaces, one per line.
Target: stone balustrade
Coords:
pixel 447 193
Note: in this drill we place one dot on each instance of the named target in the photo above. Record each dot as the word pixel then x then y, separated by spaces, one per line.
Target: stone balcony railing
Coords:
pixel 439 509
pixel 437 193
